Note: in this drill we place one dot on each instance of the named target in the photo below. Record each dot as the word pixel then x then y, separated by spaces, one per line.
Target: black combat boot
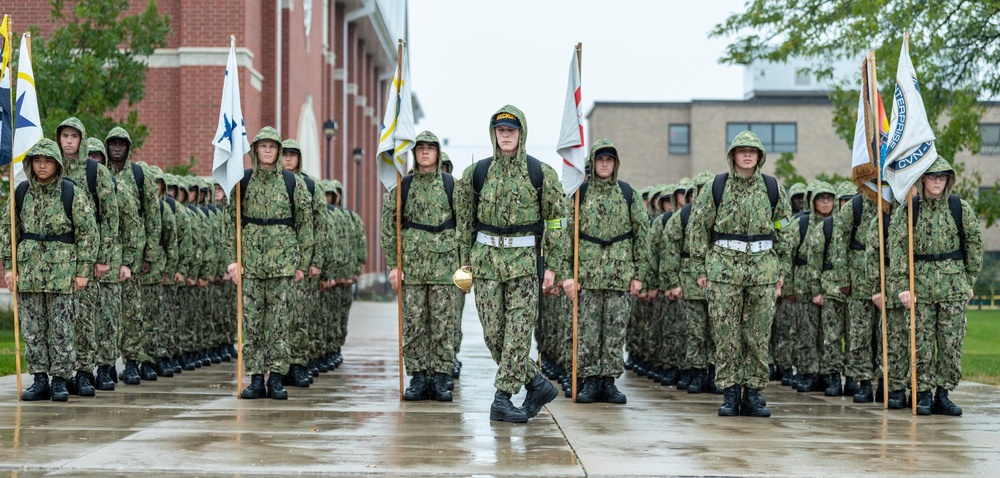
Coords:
pixel 897 399
pixel 786 376
pixel 588 391
pixel 163 368
pixel 298 376
pixel 697 383
pixel 925 400
pixel 609 392
pixel 146 372
pixel 58 389
pixel 255 389
pixel 114 373
pixel 213 355
pixel 38 390
pixel 540 392
pixel 84 384
pixel 457 369
pixel 419 388
pixel 103 380
pixel 669 377
pixel 131 374
pixel 833 386
pixel 184 360
pixel 753 405
pixel 807 383
pixel 175 364
pixel 206 359
pixel 450 381
pixel 224 354
pixel 943 406
pixel 629 363
pixel 774 373
pixel 312 370
pixel 880 391
pixel 502 410
pixel 730 402
pixel 640 368
pixel 232 351
pixel 684 379
pixel 851 387
pixel 440 388
pixel 321 365
pixel 275 390
pixel 864 394
pixel 710 385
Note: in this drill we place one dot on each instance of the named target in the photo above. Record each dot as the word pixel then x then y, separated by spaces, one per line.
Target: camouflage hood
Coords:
pixel 521 154
pixel 120 133
pixel 682 187
pixel 428 137
pixel 265 133
pixel 609 147
pixel 700 181
pixel 940 165
pixel 746 138
pixel 290 145
pixel 75 123
pixel 94 144
pixel 445 160
pixel 48 148
pixel 821 187
pixel 846 190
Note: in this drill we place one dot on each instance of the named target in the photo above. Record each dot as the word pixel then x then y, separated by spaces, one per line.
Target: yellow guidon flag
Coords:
pixel 398 134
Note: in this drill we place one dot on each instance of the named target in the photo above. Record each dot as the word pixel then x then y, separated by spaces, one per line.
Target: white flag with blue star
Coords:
pixel 27 123
pixel 231 135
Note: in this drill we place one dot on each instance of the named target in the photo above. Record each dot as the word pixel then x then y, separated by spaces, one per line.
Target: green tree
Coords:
pixel 954 45
pixel 92 63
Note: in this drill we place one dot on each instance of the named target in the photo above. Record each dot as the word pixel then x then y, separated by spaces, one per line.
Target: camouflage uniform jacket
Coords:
pixel 50 266
pixel 849 263
pixel 509 199
pixel 170 234
pixel 359 244
pixel 428 257
pixel 871 259
pixel 744 209
pixel 130 233
pixel 604 215
pixel 150 206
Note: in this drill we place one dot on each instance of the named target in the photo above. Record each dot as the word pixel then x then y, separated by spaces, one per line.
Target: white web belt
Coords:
pixel 744 246
pixel 505 241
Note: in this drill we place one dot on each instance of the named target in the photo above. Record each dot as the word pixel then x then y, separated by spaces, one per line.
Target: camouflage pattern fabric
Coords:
pixel 603 316
pixel 265 307
pixel 428 335
pixel 741 326
pixel 47 329
pixel 508 311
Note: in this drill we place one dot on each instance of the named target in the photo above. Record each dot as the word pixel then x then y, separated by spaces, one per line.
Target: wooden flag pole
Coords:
pixel 873 85
pixel 239 293
pixel 576 255
pixel 13 256
pixel 399 233
pixel 913 293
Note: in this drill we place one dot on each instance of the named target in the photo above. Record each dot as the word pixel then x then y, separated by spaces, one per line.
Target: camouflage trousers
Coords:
pixel 85 322
pixel 187 333
pixel 741 318
pixel 808 338
pixel 205 317
pixel 898 347
pixel 700 349
pixel 227 307
pixel 602 319
pixel 265 314
pixel 152 302
pixel 833 317
pixel 782 348
pixel 862 318
pixel 545 330
pixel 47 327
pixel 672 335
pixel 940 332
pixel 298 322
pixel 508 312
pixel 315 345
pixel 428 334
pixel 635 331
pixel 345 298
pixel 166 335
pixel 134 325
pixel 109 321
pixel 331 323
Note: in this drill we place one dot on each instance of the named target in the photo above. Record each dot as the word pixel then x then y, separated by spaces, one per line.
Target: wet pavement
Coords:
pixel 350 421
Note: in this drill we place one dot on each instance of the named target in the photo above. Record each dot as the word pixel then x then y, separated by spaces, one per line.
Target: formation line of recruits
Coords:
pixel 720 287
pixel 117 259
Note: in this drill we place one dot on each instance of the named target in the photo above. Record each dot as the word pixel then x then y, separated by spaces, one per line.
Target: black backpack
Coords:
pixel 955 206
pixel 535 175
pixel 449 188
pixel 66 196
pixel 719 187
pixel 628 193
pixel 827 234
pixel 289 178
pixel 140 184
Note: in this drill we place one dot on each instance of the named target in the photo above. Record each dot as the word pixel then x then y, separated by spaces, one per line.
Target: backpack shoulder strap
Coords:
pixel 772 191
pixel 955 205
pixel 67 198
pixel 856 207
pixel 449 189
pixel 719 187
pixel 310 184
pixel 627 191
pixel 22 190
pixel 685 215
pixel 140 184
pixel 289 178
pixel 479 175
pixel 535 174
pixel 247 174
pixel 803 226
pixel 92 187
pixel 583 190
pixel 404 191
pixel 827 234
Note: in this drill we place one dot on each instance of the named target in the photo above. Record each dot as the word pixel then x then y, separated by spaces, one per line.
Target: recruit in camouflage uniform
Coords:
pixel 55 257
pixel 661 345
pixel 554 332
pixel 352 231
pixel 165 330
pixel 134 332
pixel 672 339
pixel 634 361
pixel 456 370
pixel 782 346
pixel 92 326
pixel 431 253
pixel 277 230
pixel 741 262
pixel 946 265
pixel 821 291
pixel 338 262
pixel 613 252
pixel 503 223
pixel 681 283
pixel 806 339
pixel 640 338
pixel 188 255
pixel 200 324
pixel 303 314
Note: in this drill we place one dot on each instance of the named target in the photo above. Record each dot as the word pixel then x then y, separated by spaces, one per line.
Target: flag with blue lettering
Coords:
pixel 6 114
pixel 909 150
pixel 230 139
pixel 27 123
pixel 398 134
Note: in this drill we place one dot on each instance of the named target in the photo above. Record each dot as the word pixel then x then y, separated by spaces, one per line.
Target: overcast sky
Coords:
pixel 469 58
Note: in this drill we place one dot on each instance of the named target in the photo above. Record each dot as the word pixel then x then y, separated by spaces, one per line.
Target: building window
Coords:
pixel 776 137
pixel 680 139
pixel 991 139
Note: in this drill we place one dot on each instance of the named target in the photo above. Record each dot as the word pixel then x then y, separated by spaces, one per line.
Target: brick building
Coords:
pixel 302 63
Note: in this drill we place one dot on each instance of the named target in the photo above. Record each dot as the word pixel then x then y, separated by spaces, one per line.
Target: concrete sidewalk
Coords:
pixel 350 421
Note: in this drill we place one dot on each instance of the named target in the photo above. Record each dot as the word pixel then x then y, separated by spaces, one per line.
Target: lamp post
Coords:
pixel 359 154
pixel 329 130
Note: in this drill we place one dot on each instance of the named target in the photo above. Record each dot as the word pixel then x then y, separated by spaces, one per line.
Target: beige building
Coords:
pixel 664 142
